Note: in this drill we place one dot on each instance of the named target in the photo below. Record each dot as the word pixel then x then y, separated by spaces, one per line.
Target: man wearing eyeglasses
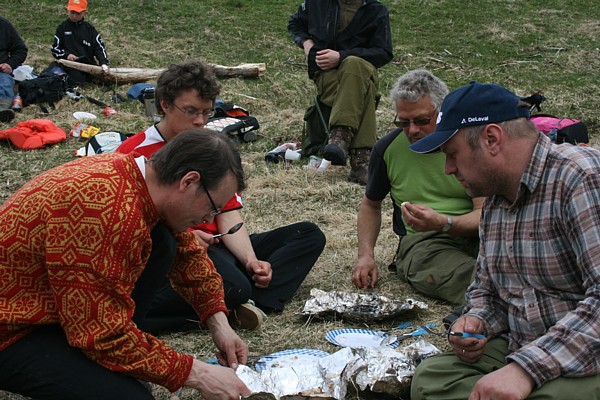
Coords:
pixel 435 218
pixel 345 42
pixel 260 272
pixel 74 246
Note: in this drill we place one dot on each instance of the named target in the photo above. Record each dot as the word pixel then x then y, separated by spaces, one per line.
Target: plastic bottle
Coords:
pixel 278 153
pixel 17 104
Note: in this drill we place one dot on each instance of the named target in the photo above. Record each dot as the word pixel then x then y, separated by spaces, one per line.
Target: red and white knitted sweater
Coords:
pixel 73 242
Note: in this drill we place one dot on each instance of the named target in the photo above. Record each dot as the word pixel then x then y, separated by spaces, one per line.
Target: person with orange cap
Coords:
pixel 77 40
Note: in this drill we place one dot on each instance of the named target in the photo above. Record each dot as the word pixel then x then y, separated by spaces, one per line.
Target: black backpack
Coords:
pixel 47 88
pixel 234 121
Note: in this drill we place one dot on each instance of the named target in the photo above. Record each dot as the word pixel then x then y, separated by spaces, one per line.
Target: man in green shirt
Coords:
pixel 435 218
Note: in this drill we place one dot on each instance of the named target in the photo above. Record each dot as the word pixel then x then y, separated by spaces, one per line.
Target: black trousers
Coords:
pixel 42 365
pixel 292 251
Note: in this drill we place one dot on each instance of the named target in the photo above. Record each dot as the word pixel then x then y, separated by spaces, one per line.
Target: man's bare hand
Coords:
pixel 205 239
pixel 327 59
pixel 232 350
pixel 6 68
pixel 365 273
pixel 215 382
pixel 308 44
pixel 261 273
pixel 468 349
pixel 422 218
pixel 510 382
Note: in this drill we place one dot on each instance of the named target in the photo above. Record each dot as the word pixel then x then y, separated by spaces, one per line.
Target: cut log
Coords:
pixel 133 75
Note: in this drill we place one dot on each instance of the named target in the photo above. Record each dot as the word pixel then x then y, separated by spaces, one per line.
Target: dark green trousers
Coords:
pixel 350 91
pixel 446 377
pixel 438 265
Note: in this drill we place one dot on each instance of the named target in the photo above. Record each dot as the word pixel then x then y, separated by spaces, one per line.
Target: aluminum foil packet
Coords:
pixel 376 369
pixel 357 306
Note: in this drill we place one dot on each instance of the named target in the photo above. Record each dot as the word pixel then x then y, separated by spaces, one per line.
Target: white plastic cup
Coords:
pixel 292 155
pixel 324 164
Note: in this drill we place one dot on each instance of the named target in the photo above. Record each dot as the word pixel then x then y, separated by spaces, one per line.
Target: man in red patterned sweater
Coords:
pixel 74 245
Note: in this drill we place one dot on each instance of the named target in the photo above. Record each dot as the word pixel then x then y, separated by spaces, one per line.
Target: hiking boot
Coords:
pixel 359 162
pixel 336 149
pixel 246 316
pixel 6 113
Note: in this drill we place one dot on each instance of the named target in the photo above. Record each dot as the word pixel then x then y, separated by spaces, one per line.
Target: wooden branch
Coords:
pixel 133 75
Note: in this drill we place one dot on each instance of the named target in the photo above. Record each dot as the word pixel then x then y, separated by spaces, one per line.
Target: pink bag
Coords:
pixel 561 130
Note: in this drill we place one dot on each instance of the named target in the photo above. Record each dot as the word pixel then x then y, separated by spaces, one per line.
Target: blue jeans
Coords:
pixel 7 86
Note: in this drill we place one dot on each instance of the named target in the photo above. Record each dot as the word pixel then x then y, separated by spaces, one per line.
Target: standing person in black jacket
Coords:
pixel 345 42
pixel 77 40
pixel 12 54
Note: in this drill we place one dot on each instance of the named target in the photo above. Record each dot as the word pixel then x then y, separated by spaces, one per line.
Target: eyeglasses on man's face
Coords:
pixel 193 113
pixel 216 211
pixel 405 123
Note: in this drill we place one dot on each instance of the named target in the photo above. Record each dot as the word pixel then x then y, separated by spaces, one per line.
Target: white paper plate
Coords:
pixel 83 115
pixel 289 357
pixel 351 337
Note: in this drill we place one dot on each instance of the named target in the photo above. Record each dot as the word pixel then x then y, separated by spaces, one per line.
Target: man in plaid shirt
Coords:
pixel 536 294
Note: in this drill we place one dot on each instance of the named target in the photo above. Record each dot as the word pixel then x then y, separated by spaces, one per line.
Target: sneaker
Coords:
pixel 247 316
pixel 359 162
pixel 336 149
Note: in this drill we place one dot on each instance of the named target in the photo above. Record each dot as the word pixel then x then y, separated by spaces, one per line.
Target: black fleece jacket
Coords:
pixel 367 36
pixel 12 48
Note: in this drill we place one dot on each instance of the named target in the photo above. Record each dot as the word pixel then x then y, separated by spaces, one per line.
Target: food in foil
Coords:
pixel 370 369
pixel 357 306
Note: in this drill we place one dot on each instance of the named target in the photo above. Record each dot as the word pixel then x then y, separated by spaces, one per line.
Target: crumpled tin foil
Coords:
pixel 376 369
pixel 357 306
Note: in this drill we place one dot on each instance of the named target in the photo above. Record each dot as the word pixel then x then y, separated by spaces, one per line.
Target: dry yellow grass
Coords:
pixel 526 50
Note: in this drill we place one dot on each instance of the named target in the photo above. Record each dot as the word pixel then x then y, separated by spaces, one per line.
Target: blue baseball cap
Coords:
pixel 471 105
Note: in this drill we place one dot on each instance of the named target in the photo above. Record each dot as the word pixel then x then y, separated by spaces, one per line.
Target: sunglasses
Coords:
pixel 405 123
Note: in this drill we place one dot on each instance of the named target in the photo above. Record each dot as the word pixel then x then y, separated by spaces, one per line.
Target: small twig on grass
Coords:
pixel 516 62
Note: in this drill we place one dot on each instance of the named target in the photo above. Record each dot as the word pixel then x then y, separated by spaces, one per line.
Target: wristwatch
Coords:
pixel 448 225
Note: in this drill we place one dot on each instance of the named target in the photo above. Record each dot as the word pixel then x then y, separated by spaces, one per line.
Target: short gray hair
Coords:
pixel 418 83
pixel 515 128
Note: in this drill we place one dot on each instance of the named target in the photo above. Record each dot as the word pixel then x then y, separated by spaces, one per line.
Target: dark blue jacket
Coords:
pixel 12 48
pixel 367 36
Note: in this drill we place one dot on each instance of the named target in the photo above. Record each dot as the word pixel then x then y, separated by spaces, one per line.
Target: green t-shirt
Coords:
pixel 420 179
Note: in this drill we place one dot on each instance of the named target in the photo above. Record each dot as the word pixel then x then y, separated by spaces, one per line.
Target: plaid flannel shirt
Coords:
pixel 538 271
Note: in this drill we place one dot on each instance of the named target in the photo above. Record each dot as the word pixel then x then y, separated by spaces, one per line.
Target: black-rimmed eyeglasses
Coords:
pixel 216 211
pixel 405 123
pixel 193 113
